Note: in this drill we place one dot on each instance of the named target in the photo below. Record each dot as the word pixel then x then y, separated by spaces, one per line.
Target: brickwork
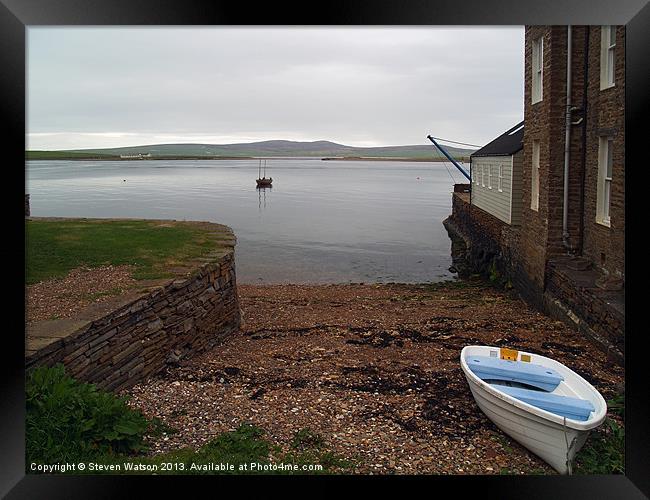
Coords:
pixel 605 246
pixel 601 113
pixel 537 116
pixel 595 113
pixel 599 314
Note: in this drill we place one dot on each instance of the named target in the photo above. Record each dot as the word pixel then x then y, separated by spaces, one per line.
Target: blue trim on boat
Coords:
pixel 565 406
pixel 488 368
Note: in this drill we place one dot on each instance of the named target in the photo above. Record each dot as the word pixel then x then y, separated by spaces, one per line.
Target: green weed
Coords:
pixel 70 421
pixel 604 452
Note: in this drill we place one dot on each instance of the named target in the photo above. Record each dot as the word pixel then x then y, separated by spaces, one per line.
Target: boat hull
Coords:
pixel 545 439
pixel 554 439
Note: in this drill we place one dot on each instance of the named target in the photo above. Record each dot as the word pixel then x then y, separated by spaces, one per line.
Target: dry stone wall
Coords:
pixel 174 321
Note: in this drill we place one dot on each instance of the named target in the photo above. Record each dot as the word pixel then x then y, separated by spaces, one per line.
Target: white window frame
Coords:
pixel 534 177
pixel 489 166
pixel 537 76
pixel 500 187
pixel 607 57
pixel 604 186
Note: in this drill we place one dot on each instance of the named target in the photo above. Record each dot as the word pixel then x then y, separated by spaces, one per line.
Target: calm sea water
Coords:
pixel 321 222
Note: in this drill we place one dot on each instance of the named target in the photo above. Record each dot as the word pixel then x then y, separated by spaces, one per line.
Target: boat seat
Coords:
pixel 488 368
pixel 565 406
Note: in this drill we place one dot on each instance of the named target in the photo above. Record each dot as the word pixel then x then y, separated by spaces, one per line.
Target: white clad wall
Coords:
pixel 494 195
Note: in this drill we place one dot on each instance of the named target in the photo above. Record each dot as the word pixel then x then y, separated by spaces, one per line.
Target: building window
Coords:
pixel 604 194
pixel 534 190
pixel 489 176
pixel 483 175
pixel 537 69
pixel 607 46
pixel 500 178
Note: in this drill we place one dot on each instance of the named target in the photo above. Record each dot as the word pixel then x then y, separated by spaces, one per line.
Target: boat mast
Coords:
pixel 259 170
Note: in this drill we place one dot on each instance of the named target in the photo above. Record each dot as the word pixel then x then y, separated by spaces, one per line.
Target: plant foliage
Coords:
pixel 68 420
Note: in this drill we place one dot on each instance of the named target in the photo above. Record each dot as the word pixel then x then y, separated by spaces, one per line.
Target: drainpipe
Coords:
pixel 567 145
pixel 584 140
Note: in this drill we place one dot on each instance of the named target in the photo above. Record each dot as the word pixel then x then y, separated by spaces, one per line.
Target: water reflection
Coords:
pixel 261 194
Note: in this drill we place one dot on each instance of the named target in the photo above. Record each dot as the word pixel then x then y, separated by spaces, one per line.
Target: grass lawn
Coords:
pixel 55 247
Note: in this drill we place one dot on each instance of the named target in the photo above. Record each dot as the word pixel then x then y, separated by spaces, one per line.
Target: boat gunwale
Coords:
pixel 594 421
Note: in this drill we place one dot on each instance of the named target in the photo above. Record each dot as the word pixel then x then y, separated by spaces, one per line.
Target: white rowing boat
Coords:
pixel 539 402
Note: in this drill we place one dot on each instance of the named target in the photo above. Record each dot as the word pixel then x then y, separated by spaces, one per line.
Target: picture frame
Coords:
pixel 18 15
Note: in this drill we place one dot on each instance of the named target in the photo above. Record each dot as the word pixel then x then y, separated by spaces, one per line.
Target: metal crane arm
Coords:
pixel 442 150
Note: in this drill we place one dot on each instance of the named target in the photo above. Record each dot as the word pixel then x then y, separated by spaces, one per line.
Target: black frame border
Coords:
pixel 17 15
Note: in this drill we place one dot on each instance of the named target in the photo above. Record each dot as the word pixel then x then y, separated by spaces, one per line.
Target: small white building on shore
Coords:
pixel 496 172
pixel 138 156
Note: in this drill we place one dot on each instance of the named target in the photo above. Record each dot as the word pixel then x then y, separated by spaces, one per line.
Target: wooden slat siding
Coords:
pixel 491 200
pixel 517 194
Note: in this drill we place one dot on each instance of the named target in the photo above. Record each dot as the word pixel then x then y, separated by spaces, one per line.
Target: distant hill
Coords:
pixel 264 148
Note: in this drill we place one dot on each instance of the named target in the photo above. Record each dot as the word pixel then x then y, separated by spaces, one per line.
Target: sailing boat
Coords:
pixel 263 181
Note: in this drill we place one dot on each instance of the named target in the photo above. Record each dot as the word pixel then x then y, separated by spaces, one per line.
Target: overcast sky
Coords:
pixel 109 87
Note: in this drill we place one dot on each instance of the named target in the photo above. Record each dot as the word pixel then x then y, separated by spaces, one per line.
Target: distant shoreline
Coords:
pixel 118 158
pixel 345 158
pixel 269 150
pixel 362 158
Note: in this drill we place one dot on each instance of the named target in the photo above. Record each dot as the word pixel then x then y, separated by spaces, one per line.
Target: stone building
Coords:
pixel 567 256
pixel 595 159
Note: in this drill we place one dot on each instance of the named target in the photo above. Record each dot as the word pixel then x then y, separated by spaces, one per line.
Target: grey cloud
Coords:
pixel 367 86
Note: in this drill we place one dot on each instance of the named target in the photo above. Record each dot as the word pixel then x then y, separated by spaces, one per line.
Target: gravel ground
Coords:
pixel 60 298
pixel 373 369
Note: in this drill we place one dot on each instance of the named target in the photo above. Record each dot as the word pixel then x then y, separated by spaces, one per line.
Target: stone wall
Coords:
pixel 605 246
pixel 489 242
pixel 175 320
pixel 596 113
pixel 572 296
pixel 541 228
pixel 492 247
pixel 483 244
